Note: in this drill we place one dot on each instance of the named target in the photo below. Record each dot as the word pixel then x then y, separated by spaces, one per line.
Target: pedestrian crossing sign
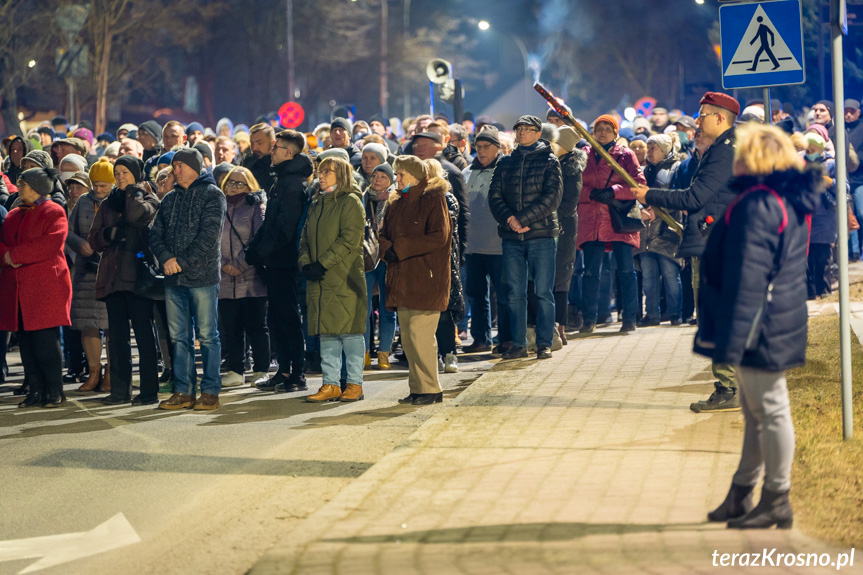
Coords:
pixel 762 44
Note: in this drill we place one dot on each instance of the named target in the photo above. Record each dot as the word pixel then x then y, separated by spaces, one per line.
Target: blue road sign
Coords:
pixel 762 44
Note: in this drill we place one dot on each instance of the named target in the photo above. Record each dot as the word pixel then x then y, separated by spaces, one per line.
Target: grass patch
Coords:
pixel 827 477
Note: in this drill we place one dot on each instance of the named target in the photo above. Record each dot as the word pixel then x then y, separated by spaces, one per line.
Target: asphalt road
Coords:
pixel 205 492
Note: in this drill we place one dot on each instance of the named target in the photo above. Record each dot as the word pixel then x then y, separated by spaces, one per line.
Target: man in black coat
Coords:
pixel 261 139
pixel 707 196
pixel 340 136
pixel 274 246
pixel 525 192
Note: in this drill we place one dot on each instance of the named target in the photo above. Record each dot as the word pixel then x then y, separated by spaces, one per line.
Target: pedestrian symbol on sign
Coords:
pixel 761 44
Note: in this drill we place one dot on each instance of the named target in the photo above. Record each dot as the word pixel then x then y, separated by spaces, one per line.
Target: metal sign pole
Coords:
pixel 842 219
pixel 768 109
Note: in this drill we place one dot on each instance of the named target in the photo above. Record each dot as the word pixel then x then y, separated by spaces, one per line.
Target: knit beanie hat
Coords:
pixel 814 139
pixel 641 123
pixel 567 138
pixel 386 169
pixel 412 165
pixel 549 132
pixel 191 157
pixel 608 119
pixel 152 128
pixel 341 123
pixel 205 150
pixel 84 134
pixel 194 127
pixel 378 118
pixel 663 142
pixel 225 123
pixel 40 179
pixel 165 158
pixel 377 149
pixel 128 128
pixel 133 164
pixel 334 153
pixel 102 171
pixel 489 134
pixel 79 162
pixel 820 130
pixel 40 157
pixel 221 170
pixel 112 149
pixel 827 104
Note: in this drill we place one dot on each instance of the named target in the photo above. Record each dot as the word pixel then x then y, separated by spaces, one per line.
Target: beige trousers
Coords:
pixel 418 329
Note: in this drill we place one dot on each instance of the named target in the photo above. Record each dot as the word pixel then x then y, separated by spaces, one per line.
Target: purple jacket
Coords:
pixel 247 217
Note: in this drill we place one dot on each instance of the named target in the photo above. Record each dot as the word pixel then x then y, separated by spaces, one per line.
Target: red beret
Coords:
pixel 608 119
pixel 722 101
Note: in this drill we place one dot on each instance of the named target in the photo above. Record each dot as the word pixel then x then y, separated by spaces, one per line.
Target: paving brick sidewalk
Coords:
pixel 590 462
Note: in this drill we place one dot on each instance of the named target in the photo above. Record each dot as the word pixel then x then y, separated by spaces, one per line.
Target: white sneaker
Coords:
pixel 258 376
pixel 450 363
pixel 531 339
pixel 440 365
pixel 233 379
pixel 556 342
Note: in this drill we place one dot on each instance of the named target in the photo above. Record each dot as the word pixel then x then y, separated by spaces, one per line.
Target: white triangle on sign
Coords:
pixel 762 39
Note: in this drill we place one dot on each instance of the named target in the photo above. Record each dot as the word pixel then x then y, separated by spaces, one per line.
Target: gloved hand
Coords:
pixel 390 256
pixel 116 200
pixel 602 195
pixel 314 272
pixel 113 234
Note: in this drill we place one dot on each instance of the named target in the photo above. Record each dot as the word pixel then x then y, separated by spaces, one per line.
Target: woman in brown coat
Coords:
pixel 120 233
pixel 415 242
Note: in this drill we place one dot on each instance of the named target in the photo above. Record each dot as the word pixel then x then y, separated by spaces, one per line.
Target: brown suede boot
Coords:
pixel 353 392
pixel 93 380
pixel 178 401
pixel 105 386
pixel 326 393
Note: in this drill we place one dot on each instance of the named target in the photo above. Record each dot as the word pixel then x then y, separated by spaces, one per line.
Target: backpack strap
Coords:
pixel 753 189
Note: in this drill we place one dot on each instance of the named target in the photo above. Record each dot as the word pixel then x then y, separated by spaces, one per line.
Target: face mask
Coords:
pixel 684 139
pixel 65 176
pixel 813 157
pixel 406 189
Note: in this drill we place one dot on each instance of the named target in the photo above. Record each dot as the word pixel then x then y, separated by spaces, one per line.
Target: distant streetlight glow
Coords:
pixel 31 63
pixel 483 25
pixel 699 1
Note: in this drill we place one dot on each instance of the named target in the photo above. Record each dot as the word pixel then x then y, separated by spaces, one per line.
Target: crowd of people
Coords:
pixel 282 253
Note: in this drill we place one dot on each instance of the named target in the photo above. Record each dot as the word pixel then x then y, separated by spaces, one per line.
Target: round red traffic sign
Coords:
pixel 291 115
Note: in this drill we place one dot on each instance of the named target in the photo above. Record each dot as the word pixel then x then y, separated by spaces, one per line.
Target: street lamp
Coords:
pixel 484 26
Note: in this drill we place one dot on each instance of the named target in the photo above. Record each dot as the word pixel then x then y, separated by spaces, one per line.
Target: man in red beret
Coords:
pixel 707 196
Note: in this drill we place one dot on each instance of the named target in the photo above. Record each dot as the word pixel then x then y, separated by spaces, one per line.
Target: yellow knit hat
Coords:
pixel 102 171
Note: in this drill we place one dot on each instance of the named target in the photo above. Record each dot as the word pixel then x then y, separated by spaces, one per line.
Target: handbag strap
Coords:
pixel 777 259
pixel 236 233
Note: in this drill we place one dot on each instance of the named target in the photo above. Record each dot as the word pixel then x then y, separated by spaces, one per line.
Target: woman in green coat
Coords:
pixel 331 257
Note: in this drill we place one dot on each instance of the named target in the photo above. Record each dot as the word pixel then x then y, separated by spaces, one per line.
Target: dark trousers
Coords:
pixel 286 327
pixel 124 307
pixel 593 256
pixel 818 271
pixel 73 350
pixel 482 268
pixel 42 360
pixel 161 309
pixel 445 333
pixel 245 316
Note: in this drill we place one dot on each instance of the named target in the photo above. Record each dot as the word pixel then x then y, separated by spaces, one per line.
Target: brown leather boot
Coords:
pixel 105 386
pixel 352 392
pixel 178 401
pixel 326 393
pixel 93 380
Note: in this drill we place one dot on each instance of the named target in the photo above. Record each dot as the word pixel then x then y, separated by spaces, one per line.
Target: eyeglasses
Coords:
pixel 236 184
pixel 325 172
pixel 523 129
pixel 281 147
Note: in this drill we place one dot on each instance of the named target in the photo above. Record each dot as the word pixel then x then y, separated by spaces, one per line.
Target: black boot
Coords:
pixel 773 509
pixel 737 503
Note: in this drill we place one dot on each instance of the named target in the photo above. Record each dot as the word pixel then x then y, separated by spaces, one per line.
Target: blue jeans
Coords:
pixel 480 269
pixel 856 246
pixel 352 345
pixel 593 255
pixel 184 305
pixel 657 268
pixel 538 258
pixel 388 318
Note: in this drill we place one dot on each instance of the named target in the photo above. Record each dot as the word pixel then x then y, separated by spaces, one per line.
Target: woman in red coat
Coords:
pixel 35 287
pixel 595 234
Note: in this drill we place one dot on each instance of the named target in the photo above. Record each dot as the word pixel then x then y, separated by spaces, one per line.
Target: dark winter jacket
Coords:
pixel 454 157
pixel 189 227
pixel 572 165
pixel 275 243
pixel 118 267
pixel 527 184
pixel 824 225
pixel 594 220
pixel 708 195
pixel 456 182
pixel 11 169
pixel 456 303
pixel 741 254
pixel 242 220
pixel 261 168
pixel 417 228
